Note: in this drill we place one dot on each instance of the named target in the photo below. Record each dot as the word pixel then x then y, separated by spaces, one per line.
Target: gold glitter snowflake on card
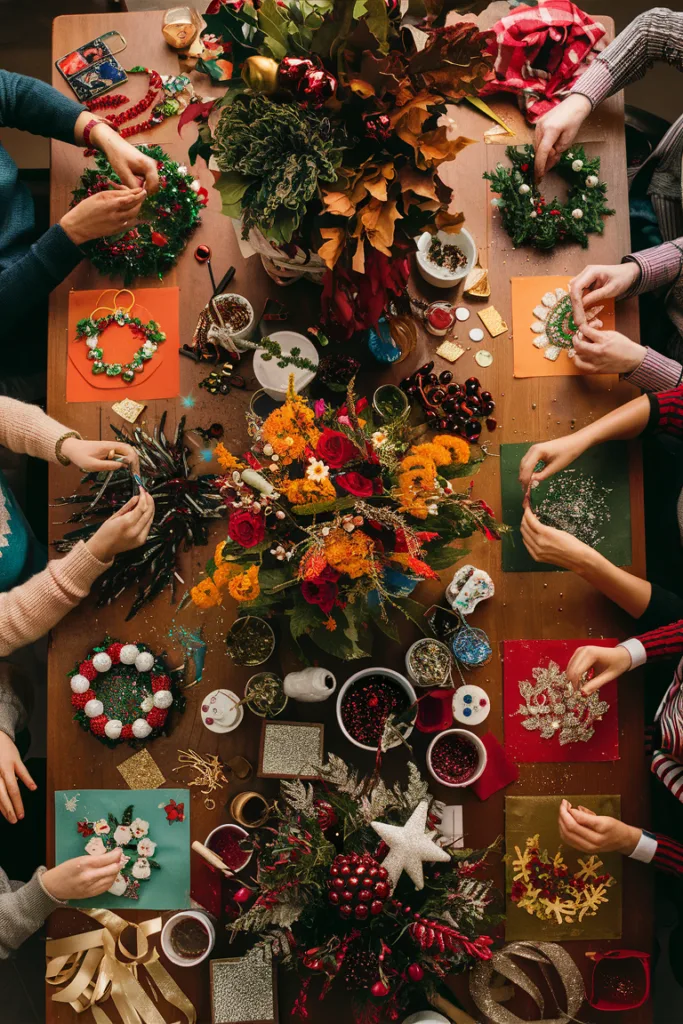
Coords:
pixel 554 324
pixel 553 707
pixel 544 886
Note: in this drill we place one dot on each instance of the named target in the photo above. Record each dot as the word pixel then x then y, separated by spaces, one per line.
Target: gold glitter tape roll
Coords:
pixel 549 956
pixel 250 809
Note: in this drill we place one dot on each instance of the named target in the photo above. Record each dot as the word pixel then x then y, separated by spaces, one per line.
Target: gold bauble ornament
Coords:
pixel 260 74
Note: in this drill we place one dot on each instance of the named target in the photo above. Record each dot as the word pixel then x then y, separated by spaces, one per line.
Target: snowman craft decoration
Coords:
pixel 468 587
pixel 131 836
pixel 471 705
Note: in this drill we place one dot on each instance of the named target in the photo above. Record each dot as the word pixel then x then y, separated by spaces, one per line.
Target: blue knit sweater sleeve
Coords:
pixel 36 107
pixel 32 276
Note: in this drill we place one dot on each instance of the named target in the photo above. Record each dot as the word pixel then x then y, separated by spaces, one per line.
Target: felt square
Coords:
pixel 500 771
pixel 168 885
pixel 520 657
pixel 141 771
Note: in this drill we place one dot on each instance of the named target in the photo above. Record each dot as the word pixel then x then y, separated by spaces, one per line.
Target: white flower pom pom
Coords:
pixel 592 180
pixel 102 661
pixel 141 728
pixel 129 653
pixel 112 729
pixel 79 684
pixel 163 699
pixel 144 661
pixel 524 189
pixel 577 214
pixel 118 886
pixel 577 165
pixel 147 704
pixel 94 708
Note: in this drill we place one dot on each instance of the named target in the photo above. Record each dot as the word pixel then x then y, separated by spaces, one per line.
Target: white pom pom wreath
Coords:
pixel 129 653
pixel 79 684
pixel 94 708
pixel 577 214
pixel 592 180
pixel 144 661
pixel 141 729
pixel 524 190
pixel 163 699
pixel 112 729
pixel 101 661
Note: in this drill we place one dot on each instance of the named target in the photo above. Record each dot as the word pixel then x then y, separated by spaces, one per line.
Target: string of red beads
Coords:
pixel 110 102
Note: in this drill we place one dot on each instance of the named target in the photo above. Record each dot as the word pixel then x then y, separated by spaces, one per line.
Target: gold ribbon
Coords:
pixel 95 966
pixel 115 307
pixel 550 956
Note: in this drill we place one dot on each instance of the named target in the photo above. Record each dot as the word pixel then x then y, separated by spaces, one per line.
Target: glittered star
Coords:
pixel 188 401
pixel 409 846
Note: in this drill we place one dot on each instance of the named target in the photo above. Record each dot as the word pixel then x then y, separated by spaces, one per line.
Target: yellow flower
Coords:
pixel 226 460
pixel 291 427
pixel 306 492
pixel 438 454
pixel 205 594
pixel 245 587
pixel 459 449
pixel 350 553
pixel 224 573
pixel 218 553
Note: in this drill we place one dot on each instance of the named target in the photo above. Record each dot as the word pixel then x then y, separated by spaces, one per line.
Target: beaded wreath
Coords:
pixel 530 219
pixel 123 692
pixel 167 219
pixel 92 328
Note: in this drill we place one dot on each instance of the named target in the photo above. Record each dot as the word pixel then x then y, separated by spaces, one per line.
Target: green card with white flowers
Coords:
pixel 152 829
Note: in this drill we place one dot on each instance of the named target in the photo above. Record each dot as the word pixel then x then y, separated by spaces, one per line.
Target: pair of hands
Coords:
pixel 116 210
pixel 596 833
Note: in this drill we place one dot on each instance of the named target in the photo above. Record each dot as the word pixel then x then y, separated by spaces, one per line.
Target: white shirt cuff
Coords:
pixel 636 650
pixel 645 849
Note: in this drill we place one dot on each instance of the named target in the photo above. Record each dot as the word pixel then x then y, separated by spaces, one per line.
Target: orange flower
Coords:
pixel 224 573
pixel 312 564
pixel 330 624
pixel 226 459
pixel 291 427
pixel 205 594
pixel 307 492
pixel 350 553
pixel 245 587
pixel 459 449
pixel 438 454
pixel 218 553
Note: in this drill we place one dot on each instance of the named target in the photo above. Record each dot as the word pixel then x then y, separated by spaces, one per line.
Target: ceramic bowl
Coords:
pixel 247 331
pixel 439 276
pixel 239 833
pixel 172 922
pixel 472 738
pixel 275 380
pixel 390 674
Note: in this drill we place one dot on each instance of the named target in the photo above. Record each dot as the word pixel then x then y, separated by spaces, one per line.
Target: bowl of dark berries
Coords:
pixel 456 758
pixel 368 700
pixel 448 405
pixel 444 259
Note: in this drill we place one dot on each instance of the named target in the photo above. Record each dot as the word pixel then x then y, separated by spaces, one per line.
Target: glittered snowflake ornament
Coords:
pixel 554 324
pixel 554 708
pixel 409 846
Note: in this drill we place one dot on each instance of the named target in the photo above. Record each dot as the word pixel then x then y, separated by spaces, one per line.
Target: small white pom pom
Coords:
pixel 144 661
pixel 141 729
pixel 101 661
pixel 163 699
pixel 112 729
pixel 91 342
pixel 524 189
pixel 79 684
pixel 94 708
pixel 577 214
pixel 577 165
pixel 592 180
pixel 129 653
pixel 533 215
pixel 147 704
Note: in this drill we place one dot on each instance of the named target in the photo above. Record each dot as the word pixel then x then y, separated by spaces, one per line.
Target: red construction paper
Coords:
pixel 161 376
pixel 500 771
pixel 519 658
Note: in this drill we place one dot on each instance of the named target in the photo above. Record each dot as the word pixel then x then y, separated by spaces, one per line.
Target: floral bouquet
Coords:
pixel 335 520
pixel 328 140
pixel 130 834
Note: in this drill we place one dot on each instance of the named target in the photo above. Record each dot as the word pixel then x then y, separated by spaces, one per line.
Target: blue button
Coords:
pixel 467 711
pixel 468 698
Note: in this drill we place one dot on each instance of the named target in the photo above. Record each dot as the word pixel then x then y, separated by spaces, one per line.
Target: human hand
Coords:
pixel 607 664
pixel 81 877
pixel 596 833
pixel 104 214
pixel 11 769
pixel 554 454
pixel 131 166
pixel 599 351
pixel 596 283
pixel 126 529
pixel 95 456
pixel 556 547
pixel 556 131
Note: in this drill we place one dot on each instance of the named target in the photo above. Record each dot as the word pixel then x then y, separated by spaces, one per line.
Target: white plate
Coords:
pixel 272 378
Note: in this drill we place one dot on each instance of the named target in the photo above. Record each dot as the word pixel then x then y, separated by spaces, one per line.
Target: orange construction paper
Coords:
pixel 529 361
pixel 161 376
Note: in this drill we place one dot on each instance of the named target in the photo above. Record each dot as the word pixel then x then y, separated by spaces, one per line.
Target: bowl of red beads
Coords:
pixel 456 758
pixel 228 843
pixel 368 699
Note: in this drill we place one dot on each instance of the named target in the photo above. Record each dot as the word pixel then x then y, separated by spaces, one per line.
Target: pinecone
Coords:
pixel 361 969
pixel 358 886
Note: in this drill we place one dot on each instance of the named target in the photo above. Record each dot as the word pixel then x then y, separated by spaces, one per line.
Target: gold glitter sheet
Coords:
pixel 141 772
pixel 291 750
pixel 243 989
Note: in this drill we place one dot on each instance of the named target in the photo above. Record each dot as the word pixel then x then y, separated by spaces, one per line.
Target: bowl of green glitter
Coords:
pixel 250 640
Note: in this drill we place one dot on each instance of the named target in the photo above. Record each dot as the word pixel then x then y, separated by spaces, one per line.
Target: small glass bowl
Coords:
pixel 260 706
pixel 245 632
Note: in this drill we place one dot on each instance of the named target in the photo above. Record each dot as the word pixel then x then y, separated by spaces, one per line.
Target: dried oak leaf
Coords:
pixel 332 247
pixel 455 63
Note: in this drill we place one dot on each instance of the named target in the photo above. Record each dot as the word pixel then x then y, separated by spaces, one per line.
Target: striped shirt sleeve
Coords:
pixel 668 856
pixel 665 642
pixel 659 266
pixel 656 372
pixel 666 412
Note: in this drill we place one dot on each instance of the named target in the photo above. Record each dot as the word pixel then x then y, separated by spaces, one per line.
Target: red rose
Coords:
pixel 335 449
pixel 97 725
pixel 79 700
pixel 320 592
pixel 356 484
pixel 246 528
pixel 159 239
pixel 127 732
pixel 157 717
pixel 160 683
pixel 87 669
pixel 253 461
pixel 114 652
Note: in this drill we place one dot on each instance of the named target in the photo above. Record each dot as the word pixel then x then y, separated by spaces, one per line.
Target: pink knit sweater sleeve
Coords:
pixel 28 430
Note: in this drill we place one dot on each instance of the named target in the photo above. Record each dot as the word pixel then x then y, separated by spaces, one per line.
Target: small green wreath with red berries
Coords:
pixel 167 219
pixel 530 219
pixel 123 692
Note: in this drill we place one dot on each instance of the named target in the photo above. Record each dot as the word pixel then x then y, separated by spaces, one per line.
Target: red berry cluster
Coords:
pixel 150 97
pixel 358 886
pixel 449 405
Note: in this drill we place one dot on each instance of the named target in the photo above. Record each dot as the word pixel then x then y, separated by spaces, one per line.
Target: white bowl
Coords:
pixel 274 380
pixel 389 672
pixel 165 939
pixel 481 749
pixel 241 833
pixel 247 331
pixel 439 276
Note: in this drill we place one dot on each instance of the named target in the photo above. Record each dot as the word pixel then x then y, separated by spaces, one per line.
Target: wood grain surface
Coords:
pixel 531 606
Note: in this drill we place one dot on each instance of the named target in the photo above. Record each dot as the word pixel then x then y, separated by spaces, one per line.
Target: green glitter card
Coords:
pixel 600 475
pixel 151 826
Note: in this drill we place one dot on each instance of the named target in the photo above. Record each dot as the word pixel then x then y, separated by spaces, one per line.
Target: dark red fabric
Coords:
pixel 500 771
pixel 664 642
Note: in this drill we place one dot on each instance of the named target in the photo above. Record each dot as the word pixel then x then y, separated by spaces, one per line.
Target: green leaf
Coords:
pixel 386 626
pixel 232 187
pixel 323 506
pixel 360 8
pixel 445 557
pixel 153 863
pixel 127 815
pixel 273 23
pixel 377 20
pixel 270 578
pixel 337 644
pixel 412 610
pixel 304 618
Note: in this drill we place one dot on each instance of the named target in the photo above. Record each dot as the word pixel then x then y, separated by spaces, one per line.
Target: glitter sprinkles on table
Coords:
pixel 577 503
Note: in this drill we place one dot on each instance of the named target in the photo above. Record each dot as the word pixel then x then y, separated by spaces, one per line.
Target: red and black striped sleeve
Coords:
pixel 665 642
pixel 666 412
pixel 668 855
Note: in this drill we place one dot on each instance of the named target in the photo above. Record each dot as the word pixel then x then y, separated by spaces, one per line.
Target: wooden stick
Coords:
pixel 211 858
pixel 447 1008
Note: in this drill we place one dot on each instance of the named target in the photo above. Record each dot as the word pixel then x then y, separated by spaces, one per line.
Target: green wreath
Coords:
pixel 92 329
pixel 167 219
pixel 530 219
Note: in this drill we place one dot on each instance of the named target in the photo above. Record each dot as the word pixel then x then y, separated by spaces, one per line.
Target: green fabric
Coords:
pixel 608 464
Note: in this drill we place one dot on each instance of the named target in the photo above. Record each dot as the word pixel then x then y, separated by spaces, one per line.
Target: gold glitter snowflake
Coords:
pixel 589 868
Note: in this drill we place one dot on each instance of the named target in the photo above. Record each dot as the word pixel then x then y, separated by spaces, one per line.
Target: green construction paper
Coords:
pixel 168 887
pixel 608 464
pixel 527 816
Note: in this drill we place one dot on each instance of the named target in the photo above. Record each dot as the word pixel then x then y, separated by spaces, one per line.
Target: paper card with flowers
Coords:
pixel 155 874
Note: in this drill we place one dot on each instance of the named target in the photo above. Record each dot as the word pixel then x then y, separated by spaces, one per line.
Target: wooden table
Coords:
pixel 532 605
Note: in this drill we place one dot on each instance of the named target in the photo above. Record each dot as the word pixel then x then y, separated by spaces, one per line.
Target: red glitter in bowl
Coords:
pixel 367 704
pixel 454 759
pixel 225 842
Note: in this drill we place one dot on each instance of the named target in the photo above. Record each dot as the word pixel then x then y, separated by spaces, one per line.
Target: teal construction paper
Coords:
pixel 608 464
pixel 167 888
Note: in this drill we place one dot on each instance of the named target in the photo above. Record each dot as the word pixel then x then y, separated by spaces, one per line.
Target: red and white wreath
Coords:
pixel 122 692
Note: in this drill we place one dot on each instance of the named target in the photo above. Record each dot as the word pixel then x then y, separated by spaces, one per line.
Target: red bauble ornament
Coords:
pixel 356 887
pixel 242 895
pixel 415 972
pixel 325 814
pixel 293 70
pixel 380 990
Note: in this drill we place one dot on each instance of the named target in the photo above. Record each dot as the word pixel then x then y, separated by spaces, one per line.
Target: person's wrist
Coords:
pixel 581 104
pixel 634 357
pixel 103 136
pixel 98 548
pixel 70 448
pixel 50 884
pixel 631 838
pixel 73 228
pixel 583 560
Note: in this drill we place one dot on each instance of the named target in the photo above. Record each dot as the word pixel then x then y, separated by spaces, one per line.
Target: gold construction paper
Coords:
pixel 527 815
pixel 141 771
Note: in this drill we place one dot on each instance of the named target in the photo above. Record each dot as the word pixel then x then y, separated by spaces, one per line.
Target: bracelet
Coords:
pixel 92 123
pixel 58 447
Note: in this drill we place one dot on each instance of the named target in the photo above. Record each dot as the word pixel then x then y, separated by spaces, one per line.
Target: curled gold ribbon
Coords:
pixel 549 955
pixel 96 966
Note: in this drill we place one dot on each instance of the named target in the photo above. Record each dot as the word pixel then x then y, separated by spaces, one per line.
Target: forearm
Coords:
pixel 27 430
pixel 621 424
pixel 22 912
pixel 630 592
pixel 658 267
pixel 36 107
pixel 656 372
